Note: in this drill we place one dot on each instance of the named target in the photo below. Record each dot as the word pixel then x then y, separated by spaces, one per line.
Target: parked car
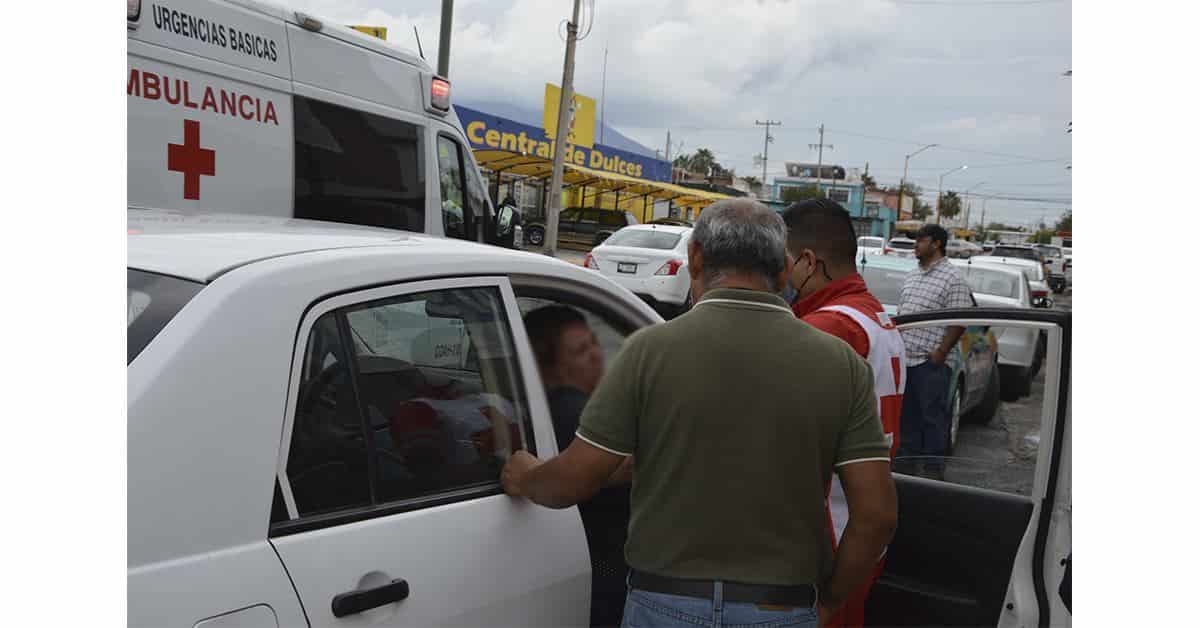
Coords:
pixel 305 441
pixel 1023 251
pixel 975 383
pixel 1034 271
pixel 582 228
pixel 649 260
pixel 901 247
pixel 870 245
pixel 1056 266
pixel 1007 287
pixel 961 249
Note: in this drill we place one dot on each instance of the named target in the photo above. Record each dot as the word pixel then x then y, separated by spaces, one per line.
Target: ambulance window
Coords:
pixel 359 168
pixel 454 220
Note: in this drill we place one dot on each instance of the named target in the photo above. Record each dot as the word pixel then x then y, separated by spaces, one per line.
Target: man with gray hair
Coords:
pixel 738 414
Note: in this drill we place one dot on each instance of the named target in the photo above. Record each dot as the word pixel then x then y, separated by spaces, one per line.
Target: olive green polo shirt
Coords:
pixel 738 413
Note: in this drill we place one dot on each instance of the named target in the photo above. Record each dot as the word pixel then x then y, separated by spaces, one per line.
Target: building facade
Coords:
pixel 871 215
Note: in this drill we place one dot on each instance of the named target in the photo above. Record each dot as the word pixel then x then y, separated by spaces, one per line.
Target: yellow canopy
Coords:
pixel 501 161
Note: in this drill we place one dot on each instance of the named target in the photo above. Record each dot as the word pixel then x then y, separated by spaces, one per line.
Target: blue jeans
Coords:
pixel 643 608
pixel 925 416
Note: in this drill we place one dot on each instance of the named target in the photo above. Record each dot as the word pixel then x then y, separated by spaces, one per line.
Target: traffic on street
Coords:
pixel 408 348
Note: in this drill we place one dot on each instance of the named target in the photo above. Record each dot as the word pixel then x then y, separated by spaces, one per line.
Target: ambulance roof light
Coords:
pixel 135 10
pixel 439 93
pixel 308 22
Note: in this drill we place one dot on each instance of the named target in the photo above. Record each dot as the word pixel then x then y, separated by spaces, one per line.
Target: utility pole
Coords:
pixel 603 90
pixel 983 221
pixel 767 139
pixel 903 178
pixel 566 104
pixel 444 39
pixel 820 146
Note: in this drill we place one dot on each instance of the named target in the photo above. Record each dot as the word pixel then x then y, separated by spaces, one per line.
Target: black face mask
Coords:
pixel 821 265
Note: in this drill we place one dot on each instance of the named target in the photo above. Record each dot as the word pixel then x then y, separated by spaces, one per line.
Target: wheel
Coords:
pixel 536 235
pixel 1012 381
pixel 955 417
pixel 983 413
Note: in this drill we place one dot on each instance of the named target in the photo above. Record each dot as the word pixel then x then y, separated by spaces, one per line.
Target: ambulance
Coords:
pixel 243 106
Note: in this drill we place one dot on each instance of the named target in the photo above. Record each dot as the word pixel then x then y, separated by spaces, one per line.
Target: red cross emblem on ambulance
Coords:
pixel 192 160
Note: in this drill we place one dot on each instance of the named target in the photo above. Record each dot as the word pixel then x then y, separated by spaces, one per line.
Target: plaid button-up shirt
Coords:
pixel 938 287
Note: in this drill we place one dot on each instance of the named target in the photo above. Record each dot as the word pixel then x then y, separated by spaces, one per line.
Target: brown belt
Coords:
pixel 769 594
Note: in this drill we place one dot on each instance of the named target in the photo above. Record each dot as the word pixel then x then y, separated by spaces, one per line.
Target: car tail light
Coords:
pixel 439 93
pixel 1040 293
pixel 133 10
pixel 590 262
pixel 887 251
pixel 670 268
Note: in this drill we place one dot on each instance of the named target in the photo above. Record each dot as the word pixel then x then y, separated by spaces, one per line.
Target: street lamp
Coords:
pixel 965 193
pixel 900 196
pixel 937 203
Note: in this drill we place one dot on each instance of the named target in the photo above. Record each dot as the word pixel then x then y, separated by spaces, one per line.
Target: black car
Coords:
pixel 582 227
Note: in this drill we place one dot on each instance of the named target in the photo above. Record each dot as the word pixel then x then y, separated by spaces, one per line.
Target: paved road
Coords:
pixel 1003 454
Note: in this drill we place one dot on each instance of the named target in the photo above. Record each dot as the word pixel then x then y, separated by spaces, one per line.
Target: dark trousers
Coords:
pixel 925 417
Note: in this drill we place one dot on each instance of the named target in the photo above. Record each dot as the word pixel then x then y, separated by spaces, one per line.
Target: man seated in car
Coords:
pixel 571 364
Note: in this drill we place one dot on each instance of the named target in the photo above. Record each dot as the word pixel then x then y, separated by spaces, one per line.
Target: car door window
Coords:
pixel 612 220
pixel 404 398
pixel 455 219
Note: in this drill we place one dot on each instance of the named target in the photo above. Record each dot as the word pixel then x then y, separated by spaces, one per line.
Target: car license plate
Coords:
pixel 623 267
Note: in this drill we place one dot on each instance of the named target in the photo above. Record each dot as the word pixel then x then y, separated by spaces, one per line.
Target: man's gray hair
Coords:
pixel 741 235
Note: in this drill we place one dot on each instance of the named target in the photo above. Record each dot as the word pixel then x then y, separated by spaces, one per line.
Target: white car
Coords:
pixel 275 481
pixel 1034 271
pixel 649 260
pixel 997 285
pixel 962 249
pixel 317 415
pixel 870 245
pixel 901 247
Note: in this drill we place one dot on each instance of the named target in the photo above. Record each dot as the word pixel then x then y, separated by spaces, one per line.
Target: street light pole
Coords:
pixel 565 104
pixel 968 221
pixel 444 40
pixel 937 203
pixel 904 177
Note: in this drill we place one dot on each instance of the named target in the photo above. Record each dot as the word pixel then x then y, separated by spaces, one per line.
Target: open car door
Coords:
pixel 984 538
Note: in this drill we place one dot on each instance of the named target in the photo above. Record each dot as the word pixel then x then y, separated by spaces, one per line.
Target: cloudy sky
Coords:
pixel 982 78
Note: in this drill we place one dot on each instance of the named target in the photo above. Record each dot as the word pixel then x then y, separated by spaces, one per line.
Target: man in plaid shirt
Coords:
pixel 934 285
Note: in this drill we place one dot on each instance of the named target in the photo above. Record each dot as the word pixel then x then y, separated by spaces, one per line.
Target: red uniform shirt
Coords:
pixel 850 291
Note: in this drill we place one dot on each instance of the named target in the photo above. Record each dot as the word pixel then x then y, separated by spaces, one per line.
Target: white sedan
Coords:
pixel 317 419
pixel 649 260
pixel 870 245
pixel 997 285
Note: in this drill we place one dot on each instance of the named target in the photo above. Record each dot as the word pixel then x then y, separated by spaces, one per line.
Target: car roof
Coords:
pixel 203 246
pixel 887 262
pixel 902 238
pixel 997 260
pixel 998 268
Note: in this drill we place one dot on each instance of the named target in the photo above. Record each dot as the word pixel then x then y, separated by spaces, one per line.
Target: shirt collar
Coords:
pixel 850 284
pixel 934 266
pixel 751 297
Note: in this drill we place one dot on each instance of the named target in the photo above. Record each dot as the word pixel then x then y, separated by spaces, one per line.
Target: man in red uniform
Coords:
pixel 832 296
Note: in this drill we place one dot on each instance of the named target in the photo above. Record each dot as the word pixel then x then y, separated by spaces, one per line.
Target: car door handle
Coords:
pixel 354 602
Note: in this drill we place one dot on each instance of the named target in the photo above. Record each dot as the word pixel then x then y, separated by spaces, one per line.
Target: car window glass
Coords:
pixel 327 461
pixel 982 424
pixel 645 239
pixel 356 167
pixel 589 216
pixel 152 300
pixel 568 215
pixel 441 389
pixel 608 336
pixel 992 282
pixel 612 219
pixel 450 178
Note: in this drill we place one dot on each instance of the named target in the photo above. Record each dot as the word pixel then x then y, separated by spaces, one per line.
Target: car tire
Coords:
pixel 1012 381
pixel 536 236
pixel 985 411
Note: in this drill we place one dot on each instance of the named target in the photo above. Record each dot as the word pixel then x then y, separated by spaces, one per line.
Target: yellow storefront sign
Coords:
pixel 373 31
pixel 582 128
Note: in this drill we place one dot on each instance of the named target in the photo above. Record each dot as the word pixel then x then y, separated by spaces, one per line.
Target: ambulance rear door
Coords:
pixel 209 105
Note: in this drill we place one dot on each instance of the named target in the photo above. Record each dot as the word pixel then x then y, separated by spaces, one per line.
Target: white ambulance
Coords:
pixel 248 107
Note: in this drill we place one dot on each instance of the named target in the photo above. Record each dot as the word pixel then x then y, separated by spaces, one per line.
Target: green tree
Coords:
pixel 950 205
pixel 1064 223
pixel 791 194
pixel 868 182
pixel 921 209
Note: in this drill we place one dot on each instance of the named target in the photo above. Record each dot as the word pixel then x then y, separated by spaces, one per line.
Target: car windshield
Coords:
pixel 871 243
pixel 153 300
pixel 884 283
pixel 907 245
pixel 1050 251
pixel 993 282
pixel 644 239
pixel 1015 251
